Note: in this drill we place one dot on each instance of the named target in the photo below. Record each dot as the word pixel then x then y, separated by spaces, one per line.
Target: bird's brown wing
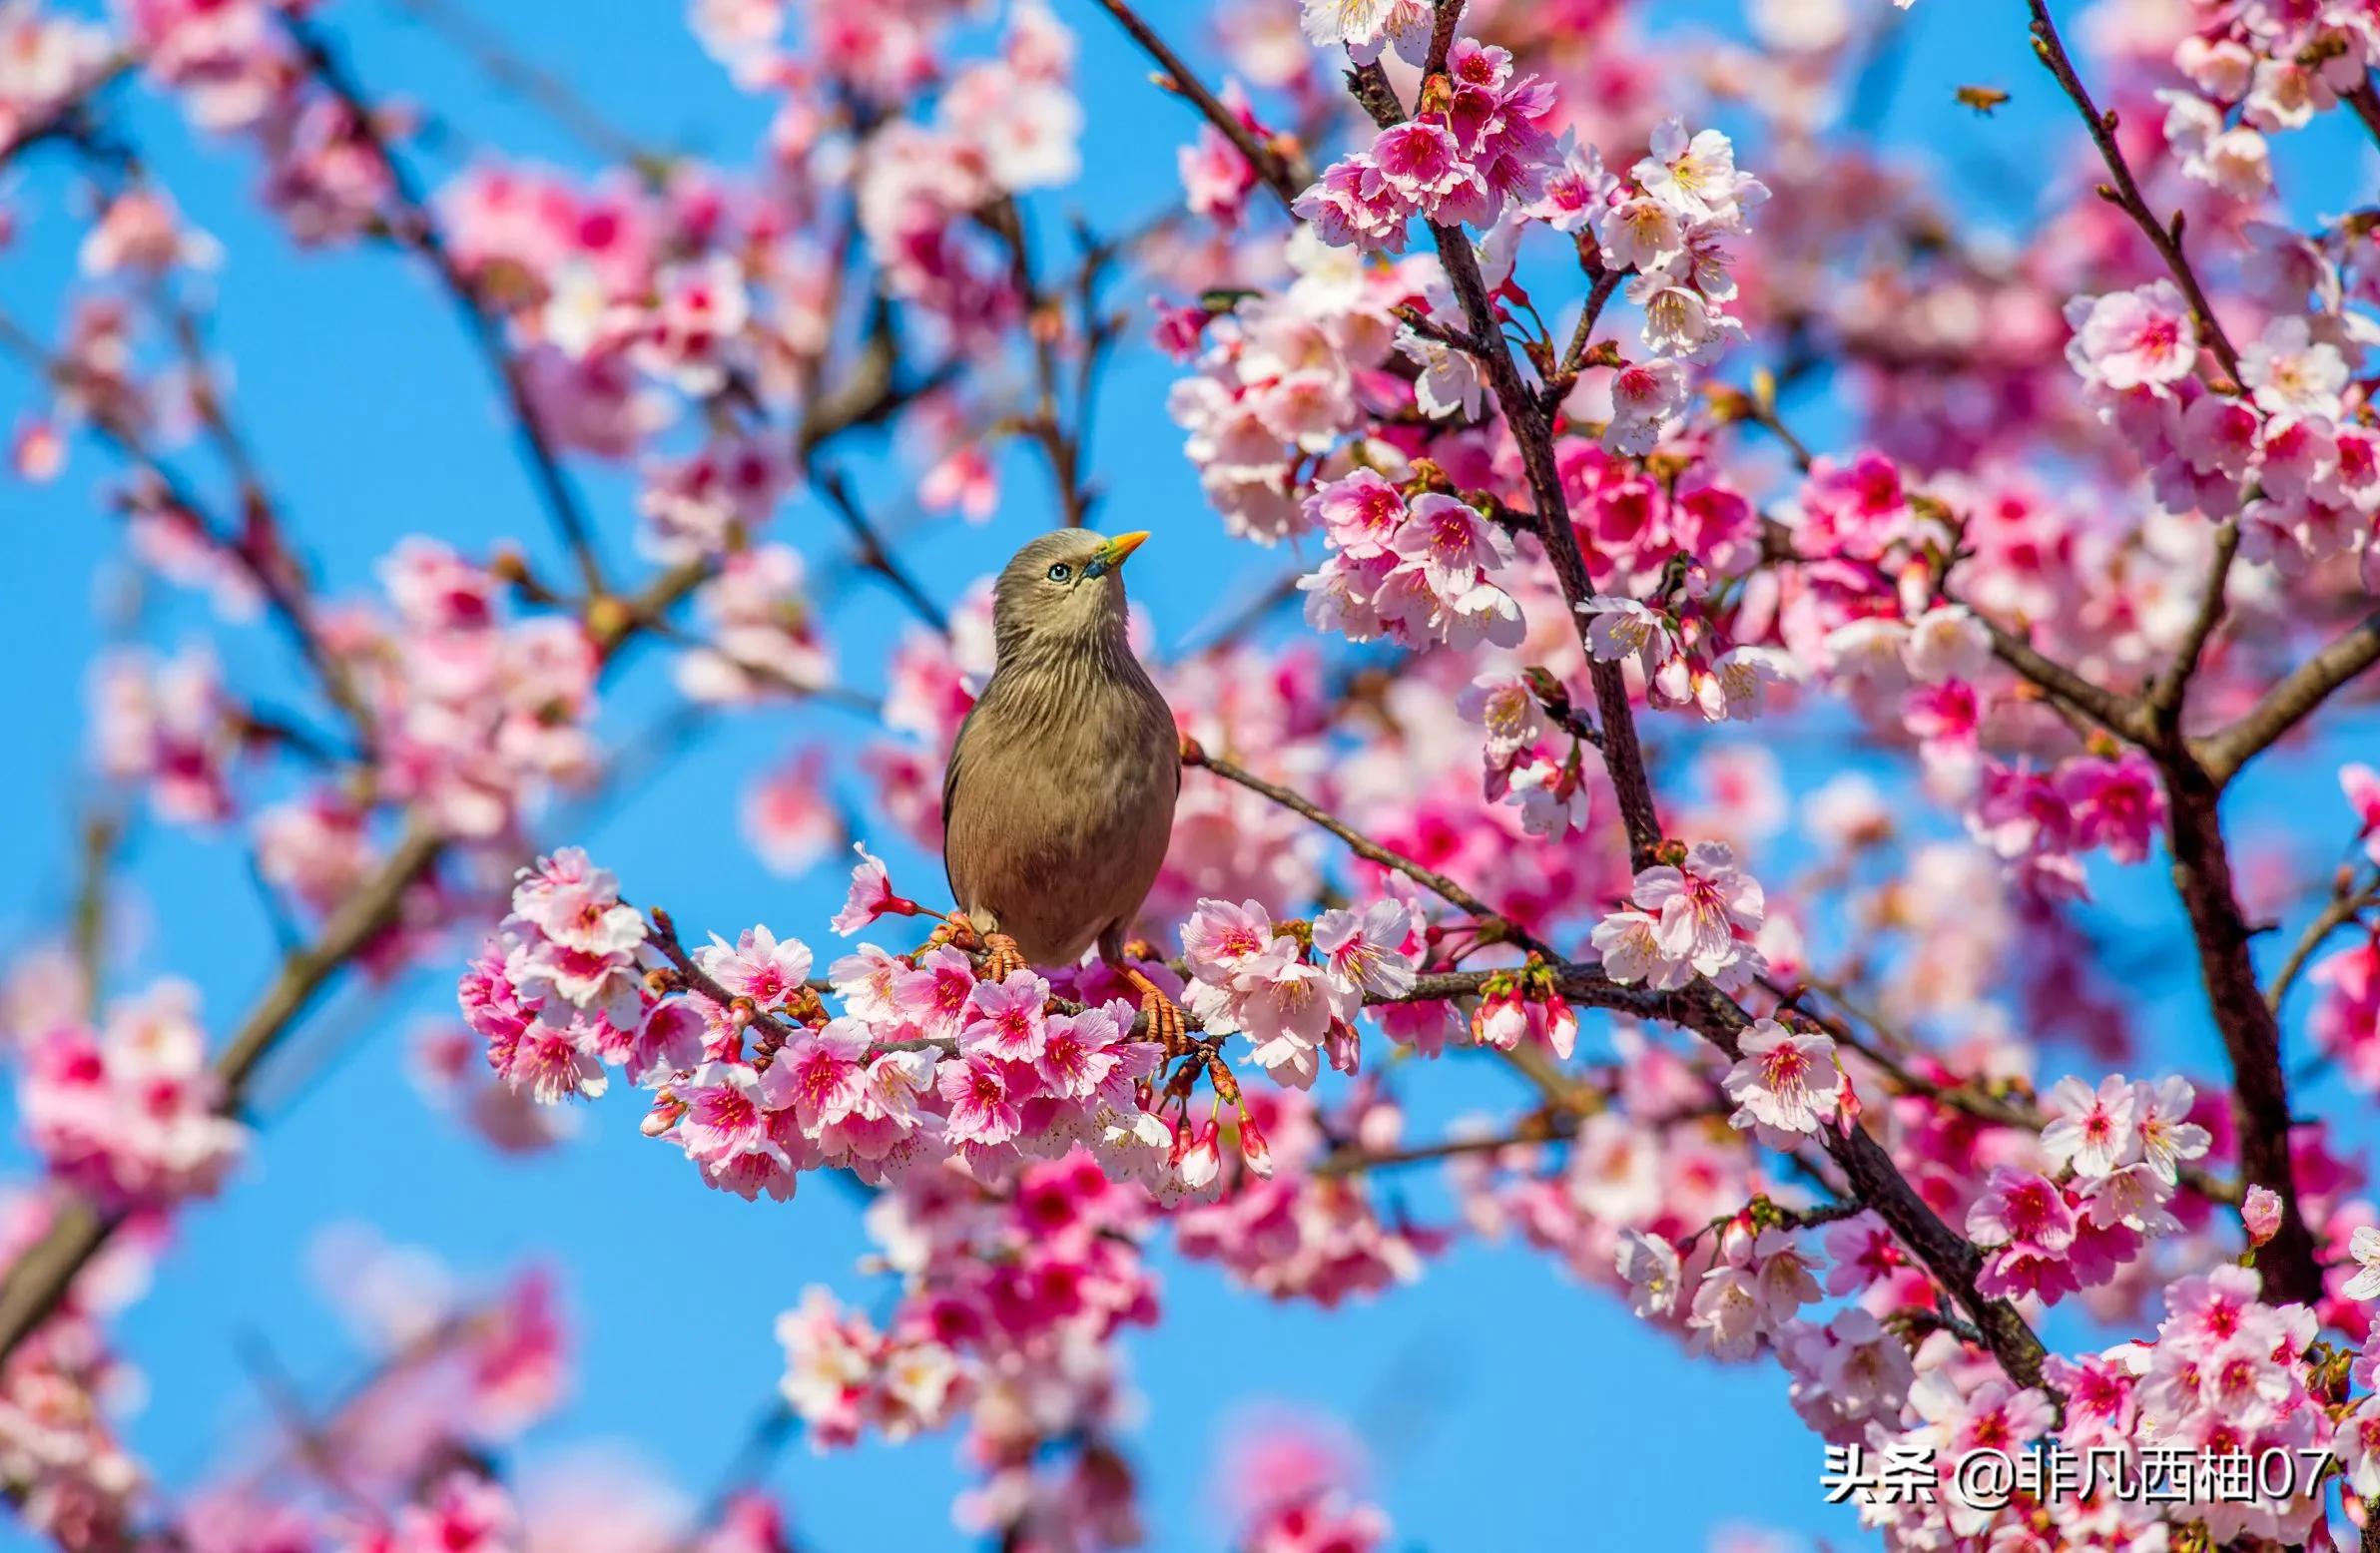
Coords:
pixel 950 792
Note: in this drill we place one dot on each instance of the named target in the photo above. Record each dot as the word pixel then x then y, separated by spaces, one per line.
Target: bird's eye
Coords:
pixel 1060 572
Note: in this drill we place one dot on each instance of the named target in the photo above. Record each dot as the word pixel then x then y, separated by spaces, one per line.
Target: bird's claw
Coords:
pixel 1166 1024
pixel 1001 957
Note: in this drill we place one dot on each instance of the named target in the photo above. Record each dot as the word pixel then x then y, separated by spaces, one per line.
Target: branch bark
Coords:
pixel 2251 1034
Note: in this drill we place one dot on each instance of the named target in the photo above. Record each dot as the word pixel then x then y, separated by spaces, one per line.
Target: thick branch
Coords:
pixel 2251 1035
pixel 2122 716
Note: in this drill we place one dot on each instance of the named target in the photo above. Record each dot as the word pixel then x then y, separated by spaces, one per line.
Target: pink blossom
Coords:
pixel 758 966
pixel 1005 1019
pixel 977 1089
pixel 2093 1132
pixel 2144 338
pixel 1786 1082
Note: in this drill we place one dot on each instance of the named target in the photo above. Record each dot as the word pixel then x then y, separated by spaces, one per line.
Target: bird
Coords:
pixel 1058 800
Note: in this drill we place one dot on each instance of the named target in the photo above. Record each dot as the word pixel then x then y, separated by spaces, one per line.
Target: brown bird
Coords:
pixel 1058 802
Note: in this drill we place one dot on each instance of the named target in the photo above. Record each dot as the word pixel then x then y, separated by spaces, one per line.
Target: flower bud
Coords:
pixel 1203 1163
pixel 1255 1153
pixel 2260 1211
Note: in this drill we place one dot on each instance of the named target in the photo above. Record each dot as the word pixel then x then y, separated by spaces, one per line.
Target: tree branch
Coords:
pixel 2291 701
pixel 2346 903
pixel 1286 176
pixel 1367 849
pixel 2167 696
pixel 412 226
pixel 2251 1035
pixel 38 1281
pixel 2125 190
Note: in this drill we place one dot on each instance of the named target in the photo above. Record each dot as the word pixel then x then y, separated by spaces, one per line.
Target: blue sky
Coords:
pixel 1503 1405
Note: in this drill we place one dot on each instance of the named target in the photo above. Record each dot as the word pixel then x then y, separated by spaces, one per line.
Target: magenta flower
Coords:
pixel 976 1088
pixel 758 966
pixel 1005 1019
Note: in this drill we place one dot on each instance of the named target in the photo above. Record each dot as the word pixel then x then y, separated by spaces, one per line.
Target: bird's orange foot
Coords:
pixel 1167 1024
pixel 1001 957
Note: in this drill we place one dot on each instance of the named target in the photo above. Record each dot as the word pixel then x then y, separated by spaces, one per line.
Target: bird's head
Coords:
pixel 1064 591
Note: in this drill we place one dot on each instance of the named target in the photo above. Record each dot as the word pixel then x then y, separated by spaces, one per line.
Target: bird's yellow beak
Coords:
pixel 1111 555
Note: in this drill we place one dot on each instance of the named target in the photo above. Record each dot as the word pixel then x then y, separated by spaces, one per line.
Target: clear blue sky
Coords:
pixel 1504 1406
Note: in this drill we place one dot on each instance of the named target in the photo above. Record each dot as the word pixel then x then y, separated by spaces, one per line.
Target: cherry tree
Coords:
pixel 1509 355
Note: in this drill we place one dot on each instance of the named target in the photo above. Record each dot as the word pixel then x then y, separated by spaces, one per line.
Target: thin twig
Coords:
pixel 412 226
pixel 1280 172
pixel 2125 190
pixel 515 72
pixel 2346 903
pixel 1369 850
pixel 874 553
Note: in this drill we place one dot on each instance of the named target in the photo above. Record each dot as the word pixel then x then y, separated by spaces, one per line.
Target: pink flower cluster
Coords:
pixel 2041 821
pixel 763 632
pixel 2285 454
pixel 480 715
pixel 1288 376
pixel 559 994
pixel 1673 653
pixel 1011 1297
pixel 2257 69
pixel 45 58
pixel 926 1062
pixel 1698 916
pixel 2121 1149
pixel 1419 570
pixel 1633 524
pixel 2346 1017
pixel 1288 1234
pixel 169 726
pixel 129 1111
pixel 1460 163
pixel 1294 988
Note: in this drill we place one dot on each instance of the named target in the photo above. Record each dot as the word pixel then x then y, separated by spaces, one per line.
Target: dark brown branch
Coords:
pixel 2167 696
pixel 2367 108
pixel 2119 714
pixel 2251 1035
pixel 1872 1177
